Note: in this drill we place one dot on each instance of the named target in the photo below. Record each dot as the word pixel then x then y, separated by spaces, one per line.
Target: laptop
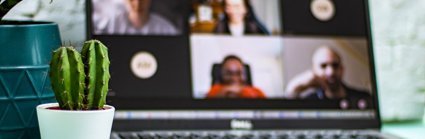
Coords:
pixel 239 68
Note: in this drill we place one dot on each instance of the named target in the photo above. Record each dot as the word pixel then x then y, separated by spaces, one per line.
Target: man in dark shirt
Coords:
pixel 324 81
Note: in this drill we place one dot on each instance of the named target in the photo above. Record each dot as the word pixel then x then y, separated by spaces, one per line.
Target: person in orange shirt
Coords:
pixel 234 82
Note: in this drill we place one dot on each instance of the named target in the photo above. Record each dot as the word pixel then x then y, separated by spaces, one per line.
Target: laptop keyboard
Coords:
pixel 298 134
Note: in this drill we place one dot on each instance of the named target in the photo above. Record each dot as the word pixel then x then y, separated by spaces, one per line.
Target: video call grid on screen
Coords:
pixel 264 59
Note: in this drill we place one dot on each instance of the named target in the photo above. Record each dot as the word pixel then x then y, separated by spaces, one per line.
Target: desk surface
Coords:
pixel 410 130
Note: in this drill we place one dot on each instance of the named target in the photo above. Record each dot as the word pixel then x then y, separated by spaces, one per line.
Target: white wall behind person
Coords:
pixel 268 12
pixel 353 52
pixel 262 54
pixel 102 9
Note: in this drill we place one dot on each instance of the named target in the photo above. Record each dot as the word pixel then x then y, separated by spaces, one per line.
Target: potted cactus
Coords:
pixel 25 52
pixel 80 84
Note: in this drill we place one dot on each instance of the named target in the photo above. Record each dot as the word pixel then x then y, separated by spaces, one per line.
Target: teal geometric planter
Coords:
pixel 25 51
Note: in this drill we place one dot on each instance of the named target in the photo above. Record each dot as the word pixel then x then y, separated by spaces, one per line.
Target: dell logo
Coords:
pixel 241 124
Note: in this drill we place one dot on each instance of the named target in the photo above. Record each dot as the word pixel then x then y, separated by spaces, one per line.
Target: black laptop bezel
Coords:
pixel 131 103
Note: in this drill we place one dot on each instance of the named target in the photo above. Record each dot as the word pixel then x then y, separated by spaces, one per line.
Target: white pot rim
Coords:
pixel 43 107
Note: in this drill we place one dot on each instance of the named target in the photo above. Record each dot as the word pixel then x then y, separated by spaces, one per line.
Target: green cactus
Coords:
pixel 80 81
pixel 67 77
pixel 95 58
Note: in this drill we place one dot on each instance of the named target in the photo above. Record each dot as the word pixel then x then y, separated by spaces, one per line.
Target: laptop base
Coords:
pixel 253 134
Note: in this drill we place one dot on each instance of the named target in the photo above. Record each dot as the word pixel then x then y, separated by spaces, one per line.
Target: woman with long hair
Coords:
pixel 239 19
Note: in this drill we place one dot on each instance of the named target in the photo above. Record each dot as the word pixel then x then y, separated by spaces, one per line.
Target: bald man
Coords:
pixel 324 79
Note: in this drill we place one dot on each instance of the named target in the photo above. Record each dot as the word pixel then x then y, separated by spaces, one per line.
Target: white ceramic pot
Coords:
pixel 67 124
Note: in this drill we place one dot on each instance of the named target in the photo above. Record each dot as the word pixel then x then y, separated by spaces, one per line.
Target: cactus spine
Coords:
pixel 67 77
pixel 95 58
pixel 80 81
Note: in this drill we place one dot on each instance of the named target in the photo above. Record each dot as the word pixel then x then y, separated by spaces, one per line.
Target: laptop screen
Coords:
pixel 278 63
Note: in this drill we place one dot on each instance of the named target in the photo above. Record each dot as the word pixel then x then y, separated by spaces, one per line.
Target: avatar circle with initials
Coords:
pixel 143 65
pixel 323 10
